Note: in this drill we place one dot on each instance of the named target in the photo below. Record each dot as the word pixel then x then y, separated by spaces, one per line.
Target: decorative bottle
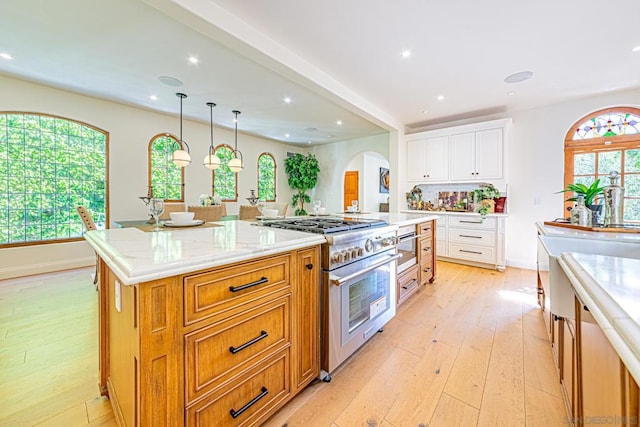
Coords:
pixel 613 196
pixel 581 215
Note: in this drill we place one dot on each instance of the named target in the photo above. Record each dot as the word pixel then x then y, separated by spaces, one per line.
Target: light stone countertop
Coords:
pixel 136 256
pixel 610 288
pixel 393 218
pixel 550 230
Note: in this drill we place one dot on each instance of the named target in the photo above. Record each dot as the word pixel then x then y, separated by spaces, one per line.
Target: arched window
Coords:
pixel 604 141
pixel 225 182
pixel 267 177
pixel 165 178
pixel 48 166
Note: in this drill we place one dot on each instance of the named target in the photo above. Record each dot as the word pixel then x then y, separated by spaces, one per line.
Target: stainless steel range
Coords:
pixel 359 276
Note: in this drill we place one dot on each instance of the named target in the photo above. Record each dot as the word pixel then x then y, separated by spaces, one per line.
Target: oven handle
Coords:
pixel 338 281
pixel 407 238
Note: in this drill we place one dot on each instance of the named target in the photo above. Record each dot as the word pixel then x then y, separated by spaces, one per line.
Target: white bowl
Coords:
pixel 269 213
pixel 181 217
pixel 322 211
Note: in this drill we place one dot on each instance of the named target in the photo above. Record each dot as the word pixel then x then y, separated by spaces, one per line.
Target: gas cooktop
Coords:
pixel 325 225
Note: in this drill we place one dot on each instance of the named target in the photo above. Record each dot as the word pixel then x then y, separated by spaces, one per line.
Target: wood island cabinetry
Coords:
pixel 224 346
pixel 426 249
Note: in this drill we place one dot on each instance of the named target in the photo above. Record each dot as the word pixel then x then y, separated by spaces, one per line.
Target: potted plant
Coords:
pixel 485 192
pixel 303 175
pixel 590 193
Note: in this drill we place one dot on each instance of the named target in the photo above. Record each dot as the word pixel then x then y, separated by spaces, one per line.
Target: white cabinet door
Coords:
pixel 437 159
pixel 489 152
pixel 416 160
pixel 463 162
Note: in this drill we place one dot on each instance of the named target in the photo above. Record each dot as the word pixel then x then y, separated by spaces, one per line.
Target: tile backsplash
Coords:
pixel 431 192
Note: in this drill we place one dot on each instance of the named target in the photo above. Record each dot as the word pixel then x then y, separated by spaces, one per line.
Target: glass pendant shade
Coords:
pixel 181 157
pixel 235 164
pixel 211 161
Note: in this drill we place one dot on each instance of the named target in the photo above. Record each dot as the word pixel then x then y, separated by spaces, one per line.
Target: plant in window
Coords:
pixel 303 175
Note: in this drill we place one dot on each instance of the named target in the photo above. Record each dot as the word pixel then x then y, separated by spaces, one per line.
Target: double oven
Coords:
pixel 358 282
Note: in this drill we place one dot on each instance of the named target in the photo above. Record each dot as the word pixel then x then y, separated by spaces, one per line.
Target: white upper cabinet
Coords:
pixel 477 156
pixel 428 159
pixel 474 152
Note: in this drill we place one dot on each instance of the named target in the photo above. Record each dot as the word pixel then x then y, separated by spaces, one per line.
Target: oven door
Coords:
pixel 407 247
pixel 361 300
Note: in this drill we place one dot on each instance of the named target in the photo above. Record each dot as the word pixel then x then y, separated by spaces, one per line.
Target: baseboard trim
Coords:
pixel 527 265
pixel 46 267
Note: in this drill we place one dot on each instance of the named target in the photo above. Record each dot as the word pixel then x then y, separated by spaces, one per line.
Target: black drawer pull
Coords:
pixel 248 285
pixel 411 284
pixel 262 336
pixel 427 270
pixel 471 252
pixel 585 308
pixel 470 222
pixel 236 414
pixel 556 317
pixel 309 266
pixel 427 249
pixel 471 237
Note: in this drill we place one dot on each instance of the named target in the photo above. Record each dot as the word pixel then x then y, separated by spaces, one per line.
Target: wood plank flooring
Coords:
pixel 469 350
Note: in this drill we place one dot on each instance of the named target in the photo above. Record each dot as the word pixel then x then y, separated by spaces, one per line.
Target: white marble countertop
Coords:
pixel 610 288
pixel 394 218
pixel 136 256
pixel 417 212
pixel 550 230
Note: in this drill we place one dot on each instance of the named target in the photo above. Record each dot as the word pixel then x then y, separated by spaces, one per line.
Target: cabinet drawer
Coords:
pixel 425 229
pixel 407 283
pixel 472 237
pixel 426 271
pixel 226 289
pixel 472 222
pixel 472 253
pixel 425 249
pixel 216 353
pixel 251 399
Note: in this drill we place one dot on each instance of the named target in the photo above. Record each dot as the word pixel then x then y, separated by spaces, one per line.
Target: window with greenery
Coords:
pixel 224 180
pixel 607 140
pixel 267 177
pixel 166 179
pixel 48 166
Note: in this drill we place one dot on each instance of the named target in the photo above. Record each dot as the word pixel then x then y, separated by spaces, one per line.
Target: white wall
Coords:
pixel 535 165
pixel 130 130
pixel 334 159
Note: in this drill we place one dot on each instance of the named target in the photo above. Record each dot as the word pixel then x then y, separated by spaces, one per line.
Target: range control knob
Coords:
pixel 359 252
pixel 354 252
pixel 387 241
pixel 346 254
pixel 368 245
pixel 337 257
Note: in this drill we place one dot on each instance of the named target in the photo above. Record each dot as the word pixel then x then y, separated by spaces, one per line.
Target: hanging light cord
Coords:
pixel 236 112
pixel 211 105
pixel 182 96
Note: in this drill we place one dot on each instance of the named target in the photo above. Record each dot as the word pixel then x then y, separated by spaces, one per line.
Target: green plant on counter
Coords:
pixel 303 175
pixel 485 192
pixel 589 193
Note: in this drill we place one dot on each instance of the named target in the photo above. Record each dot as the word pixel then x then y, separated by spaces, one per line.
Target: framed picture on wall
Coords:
pixel 384 180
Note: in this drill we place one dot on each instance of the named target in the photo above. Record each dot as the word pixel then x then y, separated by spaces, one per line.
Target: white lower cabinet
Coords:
pixel 469 239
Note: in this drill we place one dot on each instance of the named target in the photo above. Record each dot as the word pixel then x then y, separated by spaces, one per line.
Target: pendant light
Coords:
pixel 181 157
pixel 211 161
pixel 236 164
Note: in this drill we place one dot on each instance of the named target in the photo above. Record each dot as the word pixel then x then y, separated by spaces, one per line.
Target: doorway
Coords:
pixel 351 185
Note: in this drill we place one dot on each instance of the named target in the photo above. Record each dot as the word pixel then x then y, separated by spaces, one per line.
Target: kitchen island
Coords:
pixel 588 291
pixel 206 326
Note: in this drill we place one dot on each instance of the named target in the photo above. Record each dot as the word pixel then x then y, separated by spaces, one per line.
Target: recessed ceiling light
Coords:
pixel 518 77
pixel 331 136
pixel 6 56
pixel 636 49
pixel 308 142
pixel 193 60
pixel 425 111
pixel 406 53
pixel 511 93
pixel 153 97
pixel 440 97
pixel 287 100
pixel 339 122
pixel 311 129
pixel 170 81
pixel 286 135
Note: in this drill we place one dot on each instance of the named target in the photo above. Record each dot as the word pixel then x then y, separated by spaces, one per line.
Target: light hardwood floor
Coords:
pixel 469 350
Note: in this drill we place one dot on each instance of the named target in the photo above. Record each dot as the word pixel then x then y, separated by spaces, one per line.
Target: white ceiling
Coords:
pixel 336 59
